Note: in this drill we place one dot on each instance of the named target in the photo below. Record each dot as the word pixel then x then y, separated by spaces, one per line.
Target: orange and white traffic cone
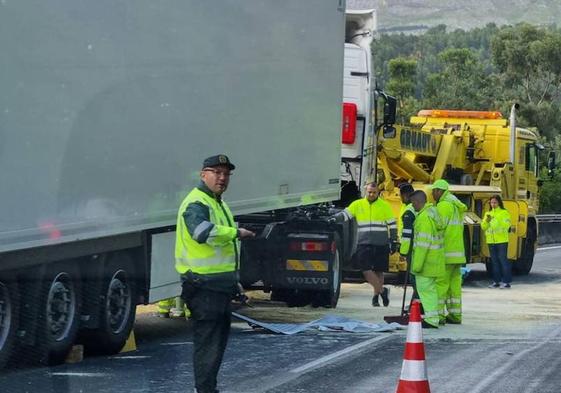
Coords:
pixel 413 377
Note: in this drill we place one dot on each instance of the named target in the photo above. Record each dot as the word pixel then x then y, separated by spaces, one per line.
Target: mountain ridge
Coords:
pixel 414 15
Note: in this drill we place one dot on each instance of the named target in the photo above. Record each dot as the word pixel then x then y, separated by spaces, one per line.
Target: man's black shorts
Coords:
pixel 375 258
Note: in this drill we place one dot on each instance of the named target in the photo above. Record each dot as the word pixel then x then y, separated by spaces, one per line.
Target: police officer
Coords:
pixel 451 223
pixel 427 262
pixel 375 220
pixel 206 256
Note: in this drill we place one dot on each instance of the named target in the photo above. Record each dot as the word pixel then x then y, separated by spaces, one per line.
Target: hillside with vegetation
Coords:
pixel 487 68
pixel 418 15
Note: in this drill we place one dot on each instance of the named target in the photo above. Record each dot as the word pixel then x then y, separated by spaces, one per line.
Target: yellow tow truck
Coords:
pixel 480 154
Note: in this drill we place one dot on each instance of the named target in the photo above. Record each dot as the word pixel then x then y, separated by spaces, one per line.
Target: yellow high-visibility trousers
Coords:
pixel 449 287
pixel 426 288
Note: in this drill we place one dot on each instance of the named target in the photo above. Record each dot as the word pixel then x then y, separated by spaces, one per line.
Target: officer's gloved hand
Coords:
pixel 394 247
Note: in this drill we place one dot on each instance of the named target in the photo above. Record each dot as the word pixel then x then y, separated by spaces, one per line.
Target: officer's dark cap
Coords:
pixel 220 159
pixel 406 188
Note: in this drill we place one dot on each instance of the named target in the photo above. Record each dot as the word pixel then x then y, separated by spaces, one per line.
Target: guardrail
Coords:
pixel 549 217
pixel 549 228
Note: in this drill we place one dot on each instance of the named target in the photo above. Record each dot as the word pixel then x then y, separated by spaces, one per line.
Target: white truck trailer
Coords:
pixel 106 113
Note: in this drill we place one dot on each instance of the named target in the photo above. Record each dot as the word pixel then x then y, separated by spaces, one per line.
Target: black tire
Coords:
pixel 117 310
pixel 59 312
pixel 330 298
pixel 523 265
pixel 9 318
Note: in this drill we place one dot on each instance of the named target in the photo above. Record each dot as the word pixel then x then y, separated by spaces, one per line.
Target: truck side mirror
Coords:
pixel 390 105
pixel 550 163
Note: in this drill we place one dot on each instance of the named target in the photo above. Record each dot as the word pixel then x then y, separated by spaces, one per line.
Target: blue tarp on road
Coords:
pixel 327 323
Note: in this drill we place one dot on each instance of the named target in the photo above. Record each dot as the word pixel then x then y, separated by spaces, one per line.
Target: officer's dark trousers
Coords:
pixel 211 314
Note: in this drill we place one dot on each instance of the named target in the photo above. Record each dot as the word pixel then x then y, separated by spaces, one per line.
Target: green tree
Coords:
pixel 401 84
pixel 462 83
pixel 530 59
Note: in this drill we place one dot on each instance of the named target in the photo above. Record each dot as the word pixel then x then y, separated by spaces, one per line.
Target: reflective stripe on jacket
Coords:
pixel 374 221
pixel 451 222
pixel 217 253
pixel 497 230
pixel 428 251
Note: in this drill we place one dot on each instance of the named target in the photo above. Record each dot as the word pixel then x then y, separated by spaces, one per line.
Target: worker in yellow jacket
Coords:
pixel 451 224
pixel 427 262
pixel 496 225
pixel 377 238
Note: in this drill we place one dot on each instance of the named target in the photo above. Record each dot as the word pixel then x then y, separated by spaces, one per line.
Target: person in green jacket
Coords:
pixel 451 224
pixel 496 224
pixel 427 261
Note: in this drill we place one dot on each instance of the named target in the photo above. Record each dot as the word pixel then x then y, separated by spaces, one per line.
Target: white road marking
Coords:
pixel 71 374
pixel 182 343
pixel 549 248
pixel 132 357
pixel 328 358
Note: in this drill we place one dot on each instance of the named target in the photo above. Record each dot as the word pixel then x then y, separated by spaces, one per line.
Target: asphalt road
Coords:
pixel 509 342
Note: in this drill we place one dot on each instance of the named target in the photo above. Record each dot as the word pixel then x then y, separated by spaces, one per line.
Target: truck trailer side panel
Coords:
pixel 108 109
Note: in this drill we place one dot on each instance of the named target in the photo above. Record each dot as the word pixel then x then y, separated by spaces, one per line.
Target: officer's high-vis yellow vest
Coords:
pixel 218 254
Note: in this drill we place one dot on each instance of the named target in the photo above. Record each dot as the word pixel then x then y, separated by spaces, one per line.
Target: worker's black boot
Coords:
pixel 386 296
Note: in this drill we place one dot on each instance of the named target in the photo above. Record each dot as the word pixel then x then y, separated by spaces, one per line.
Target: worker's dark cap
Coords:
pixel 220 159
pixel 406 188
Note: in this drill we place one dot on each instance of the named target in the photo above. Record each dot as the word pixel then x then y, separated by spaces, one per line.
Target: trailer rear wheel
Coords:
pixel 118 308
pixel 9 318
pixel 59 313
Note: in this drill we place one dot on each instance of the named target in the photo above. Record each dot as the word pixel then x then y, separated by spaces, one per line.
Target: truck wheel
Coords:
pixel 331 297
pixel 59 313
pixel 9 318
pixel 118 308
pixel 523 265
